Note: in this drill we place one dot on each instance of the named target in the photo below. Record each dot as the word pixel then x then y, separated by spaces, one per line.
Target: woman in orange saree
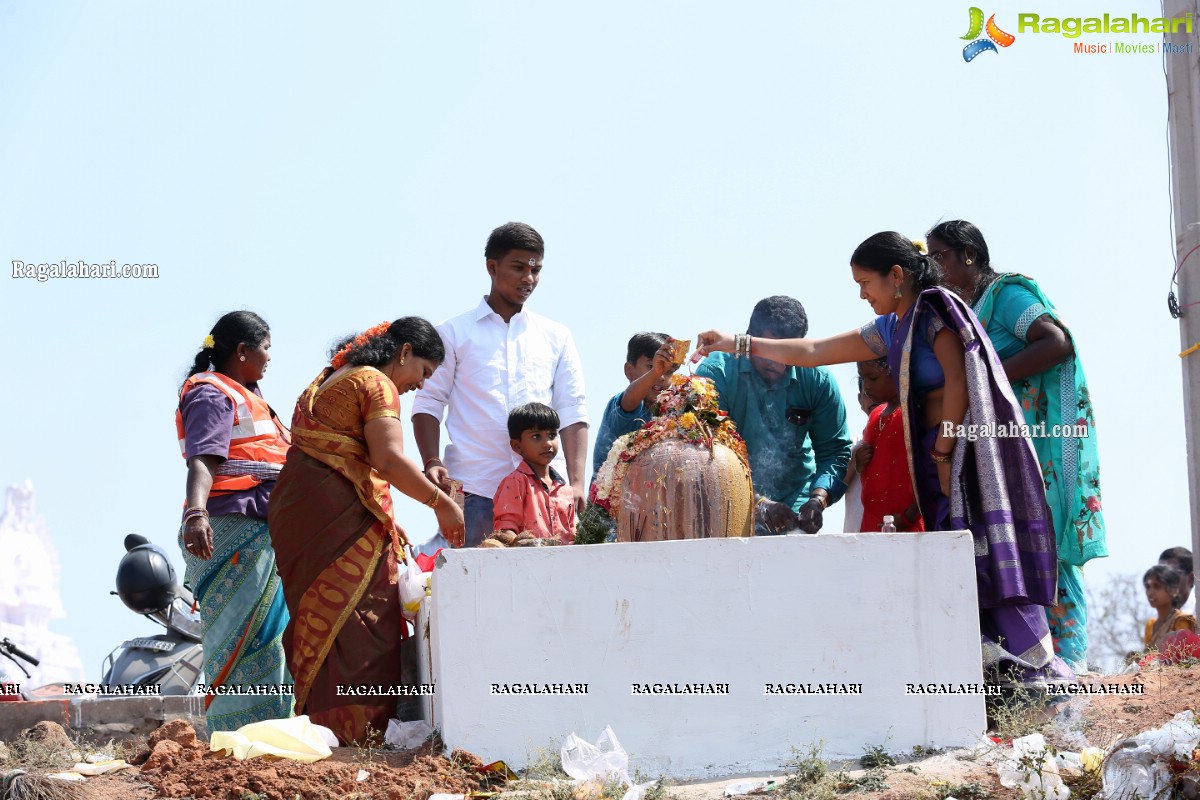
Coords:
pixel 336 541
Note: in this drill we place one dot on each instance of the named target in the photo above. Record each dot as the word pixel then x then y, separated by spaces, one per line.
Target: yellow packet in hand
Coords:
pixel 679 349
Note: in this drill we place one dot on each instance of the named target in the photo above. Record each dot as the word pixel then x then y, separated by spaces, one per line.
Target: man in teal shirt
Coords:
pixel 792 418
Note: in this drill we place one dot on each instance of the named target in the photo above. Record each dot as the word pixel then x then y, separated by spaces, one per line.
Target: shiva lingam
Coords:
pixel 684 475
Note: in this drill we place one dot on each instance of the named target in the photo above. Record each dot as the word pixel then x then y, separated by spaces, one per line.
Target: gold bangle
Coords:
pixel 939 457
pixel 433 501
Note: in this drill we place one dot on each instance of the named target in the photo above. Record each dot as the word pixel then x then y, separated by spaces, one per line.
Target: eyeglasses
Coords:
pixel 936 255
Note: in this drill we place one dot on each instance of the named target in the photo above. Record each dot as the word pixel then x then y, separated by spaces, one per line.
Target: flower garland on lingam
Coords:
pixel 687 410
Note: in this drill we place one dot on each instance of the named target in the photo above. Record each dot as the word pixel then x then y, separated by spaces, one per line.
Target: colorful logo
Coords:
pixel 995 36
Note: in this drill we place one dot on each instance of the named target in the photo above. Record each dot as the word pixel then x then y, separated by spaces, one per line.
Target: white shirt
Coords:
pixel 492 367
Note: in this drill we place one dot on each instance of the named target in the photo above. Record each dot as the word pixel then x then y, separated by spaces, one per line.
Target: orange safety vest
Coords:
pixel 258 438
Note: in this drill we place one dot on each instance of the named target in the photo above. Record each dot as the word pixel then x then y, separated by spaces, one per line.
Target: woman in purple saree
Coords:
pixel 949 376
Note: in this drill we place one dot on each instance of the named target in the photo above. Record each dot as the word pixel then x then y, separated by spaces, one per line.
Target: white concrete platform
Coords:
pixel 865 613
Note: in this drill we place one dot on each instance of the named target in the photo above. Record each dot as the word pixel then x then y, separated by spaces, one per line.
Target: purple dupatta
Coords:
pixel 996 492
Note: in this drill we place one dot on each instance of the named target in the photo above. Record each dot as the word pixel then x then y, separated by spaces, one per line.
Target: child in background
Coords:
pixel 882 460
pixel 1162 592
pixel 534 497
pixel 1181 559
pixel 852 500
pixel 648 366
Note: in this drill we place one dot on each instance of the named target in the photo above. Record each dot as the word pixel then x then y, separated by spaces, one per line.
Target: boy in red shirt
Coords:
pixel 534 497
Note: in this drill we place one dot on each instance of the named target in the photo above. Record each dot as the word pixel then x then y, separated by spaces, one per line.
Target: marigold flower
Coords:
pixel 339 360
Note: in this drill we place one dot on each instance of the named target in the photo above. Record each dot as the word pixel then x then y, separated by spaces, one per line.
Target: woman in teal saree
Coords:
pixel 1042 363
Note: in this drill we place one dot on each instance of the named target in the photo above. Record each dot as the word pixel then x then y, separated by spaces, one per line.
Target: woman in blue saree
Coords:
pixel 234 446
pixel 1042 364
pixel 948 372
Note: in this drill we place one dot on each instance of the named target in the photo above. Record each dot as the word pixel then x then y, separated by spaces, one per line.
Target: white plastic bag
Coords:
pixel 1032 770
pixel 412 586
pixel 1178 737
pixel 600 762
pixel 407 735
pixel 327 736
pixel 1069 760
pixel 1139 767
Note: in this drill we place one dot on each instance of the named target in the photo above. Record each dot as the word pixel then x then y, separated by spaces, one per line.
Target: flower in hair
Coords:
pixel 209 342
pixel 339 360
pixel 920 245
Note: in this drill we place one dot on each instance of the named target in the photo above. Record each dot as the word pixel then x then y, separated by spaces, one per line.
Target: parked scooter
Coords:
pixel 174 661
pixel 8 681
pixel 47 691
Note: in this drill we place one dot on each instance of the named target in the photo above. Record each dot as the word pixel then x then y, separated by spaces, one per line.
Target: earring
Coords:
pixel 970 262
pixel 402 361
pixel 241 358
pixel 898 293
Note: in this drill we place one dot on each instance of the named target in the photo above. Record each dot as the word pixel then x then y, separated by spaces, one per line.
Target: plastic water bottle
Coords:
pixel 889 525
pixel 1132 771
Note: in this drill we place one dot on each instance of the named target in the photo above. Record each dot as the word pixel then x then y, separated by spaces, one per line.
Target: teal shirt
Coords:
pixel 795 433
pixel 615 423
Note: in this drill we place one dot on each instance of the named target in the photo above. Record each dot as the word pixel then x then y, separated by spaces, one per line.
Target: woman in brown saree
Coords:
pixel 336 542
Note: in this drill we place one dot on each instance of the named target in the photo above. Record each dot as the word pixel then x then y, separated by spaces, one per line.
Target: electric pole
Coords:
pixel 1183 123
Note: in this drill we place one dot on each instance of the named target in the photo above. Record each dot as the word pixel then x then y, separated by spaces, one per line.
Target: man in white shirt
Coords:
pixel 500 356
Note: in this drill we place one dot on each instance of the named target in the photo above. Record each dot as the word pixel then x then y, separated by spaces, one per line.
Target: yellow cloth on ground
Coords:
pixel 296 738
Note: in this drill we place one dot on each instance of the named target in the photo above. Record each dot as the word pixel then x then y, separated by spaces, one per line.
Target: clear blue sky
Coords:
pixel 334 166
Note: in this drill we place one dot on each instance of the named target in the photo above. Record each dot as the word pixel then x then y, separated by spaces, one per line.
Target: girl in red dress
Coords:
pixel 881 460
